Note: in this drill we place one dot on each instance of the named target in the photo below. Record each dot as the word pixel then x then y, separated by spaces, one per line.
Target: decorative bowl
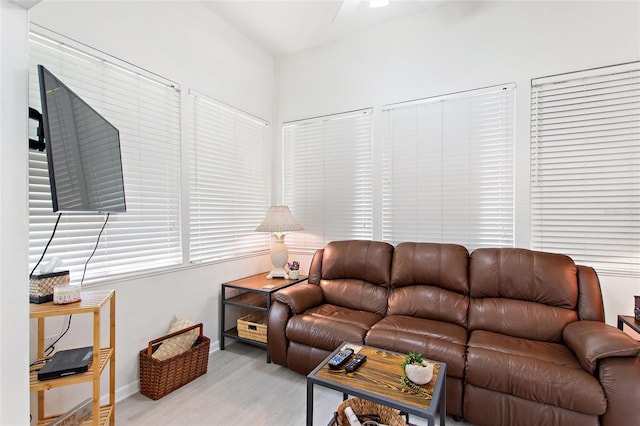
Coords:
pixel 418 373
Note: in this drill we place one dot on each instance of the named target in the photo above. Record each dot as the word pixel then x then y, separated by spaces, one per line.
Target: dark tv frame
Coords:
pixel 49 146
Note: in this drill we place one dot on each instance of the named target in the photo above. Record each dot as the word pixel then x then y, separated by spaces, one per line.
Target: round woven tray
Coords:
pixel 388 416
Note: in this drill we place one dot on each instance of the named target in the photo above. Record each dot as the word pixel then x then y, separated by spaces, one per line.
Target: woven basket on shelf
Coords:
pixel 388 416
pixel 160 377
pixel 253 326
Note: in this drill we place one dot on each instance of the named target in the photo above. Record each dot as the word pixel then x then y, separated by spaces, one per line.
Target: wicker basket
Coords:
pixel 362 407
pixel 160 377
pixel 253 326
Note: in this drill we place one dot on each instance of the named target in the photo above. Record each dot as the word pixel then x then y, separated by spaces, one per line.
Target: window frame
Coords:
pixel 249 137
pixel 421 180
pixel 95 222
pixel 319 177
pixel 585 167
pixel 95 77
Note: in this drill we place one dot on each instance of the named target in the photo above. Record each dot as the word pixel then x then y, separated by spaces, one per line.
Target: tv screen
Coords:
pixel 83 152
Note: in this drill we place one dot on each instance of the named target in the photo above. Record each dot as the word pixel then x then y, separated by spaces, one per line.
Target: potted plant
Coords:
pixel 417 371
pixel 294 269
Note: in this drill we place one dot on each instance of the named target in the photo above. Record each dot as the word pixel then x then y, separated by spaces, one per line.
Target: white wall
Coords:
pixel 180 40
pixel 461 46
pixel 14 330
pixel 187 43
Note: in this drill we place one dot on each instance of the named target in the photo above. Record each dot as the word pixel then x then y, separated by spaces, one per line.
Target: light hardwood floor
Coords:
pixel 240 388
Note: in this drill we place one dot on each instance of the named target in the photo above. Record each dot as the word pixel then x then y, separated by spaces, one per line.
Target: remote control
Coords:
pixel 355 363
pixel 339 359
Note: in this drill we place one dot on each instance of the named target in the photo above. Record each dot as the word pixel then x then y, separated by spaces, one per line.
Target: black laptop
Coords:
pixel 67 363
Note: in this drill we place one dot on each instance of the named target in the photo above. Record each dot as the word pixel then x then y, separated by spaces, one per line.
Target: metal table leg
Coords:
pixel 222 316
pixel 309 403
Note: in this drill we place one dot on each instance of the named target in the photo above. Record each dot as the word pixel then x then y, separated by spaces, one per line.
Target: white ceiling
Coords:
pixel 285 27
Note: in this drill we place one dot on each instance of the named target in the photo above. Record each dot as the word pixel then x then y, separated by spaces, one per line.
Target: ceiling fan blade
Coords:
pixel 347 8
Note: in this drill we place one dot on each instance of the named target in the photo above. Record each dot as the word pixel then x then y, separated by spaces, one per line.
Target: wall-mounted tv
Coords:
pixel 83 152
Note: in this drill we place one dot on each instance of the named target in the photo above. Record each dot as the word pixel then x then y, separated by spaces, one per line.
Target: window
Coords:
pixel 146 110
pixel 327 164
pixel 230 181
pixel 448 169
pixel 585 167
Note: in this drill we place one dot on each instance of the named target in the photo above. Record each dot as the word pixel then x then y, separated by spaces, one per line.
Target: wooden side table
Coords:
pixel 629 321
pixel 93 302
pixel 255 293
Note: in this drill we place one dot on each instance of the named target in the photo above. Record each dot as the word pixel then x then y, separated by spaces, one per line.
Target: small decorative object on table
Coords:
pixel 41 285
pixel 294 269
pixel 417 371
pixel 65 294
pixel 636 311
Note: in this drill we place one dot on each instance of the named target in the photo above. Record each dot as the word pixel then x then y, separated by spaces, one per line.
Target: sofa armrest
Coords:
pixel 277 343
pixel 619 378
pixel 300 297
pixel 592 341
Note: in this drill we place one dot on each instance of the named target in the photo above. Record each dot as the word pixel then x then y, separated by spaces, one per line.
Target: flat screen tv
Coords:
pixel 83 152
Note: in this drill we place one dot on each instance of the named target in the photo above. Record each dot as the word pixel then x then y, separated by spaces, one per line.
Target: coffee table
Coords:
pixel 378 380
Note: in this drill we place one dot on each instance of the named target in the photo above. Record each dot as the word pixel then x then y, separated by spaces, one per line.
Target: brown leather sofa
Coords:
pixel 522 332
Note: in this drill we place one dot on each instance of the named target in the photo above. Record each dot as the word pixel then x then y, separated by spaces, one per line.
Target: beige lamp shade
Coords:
pixel 279 220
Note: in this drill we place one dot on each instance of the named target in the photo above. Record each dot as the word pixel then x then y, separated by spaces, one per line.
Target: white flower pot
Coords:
pixel 419 374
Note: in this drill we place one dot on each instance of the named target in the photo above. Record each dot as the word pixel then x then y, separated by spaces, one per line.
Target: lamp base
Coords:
pixel 279 256
pixel 278 272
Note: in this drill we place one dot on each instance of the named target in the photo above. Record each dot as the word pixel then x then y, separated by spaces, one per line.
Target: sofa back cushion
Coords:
pixel 430 280
pixel 354 274
pixel 522 293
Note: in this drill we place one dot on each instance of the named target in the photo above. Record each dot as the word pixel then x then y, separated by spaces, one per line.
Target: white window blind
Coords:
pixel 327 180
pixel 230 181
pixel 585 167
pixel 448 169
pixel 146 110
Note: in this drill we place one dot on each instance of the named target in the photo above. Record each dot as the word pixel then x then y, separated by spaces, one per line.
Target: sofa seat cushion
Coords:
pixel 543 372
pixel 327 326
pixel 436 340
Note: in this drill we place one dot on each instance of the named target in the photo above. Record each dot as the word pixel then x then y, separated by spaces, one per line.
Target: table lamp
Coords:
pixel 278 221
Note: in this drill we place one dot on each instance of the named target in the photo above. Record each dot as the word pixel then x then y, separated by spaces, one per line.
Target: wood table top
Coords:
pixel 261 283
pixel 379 377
